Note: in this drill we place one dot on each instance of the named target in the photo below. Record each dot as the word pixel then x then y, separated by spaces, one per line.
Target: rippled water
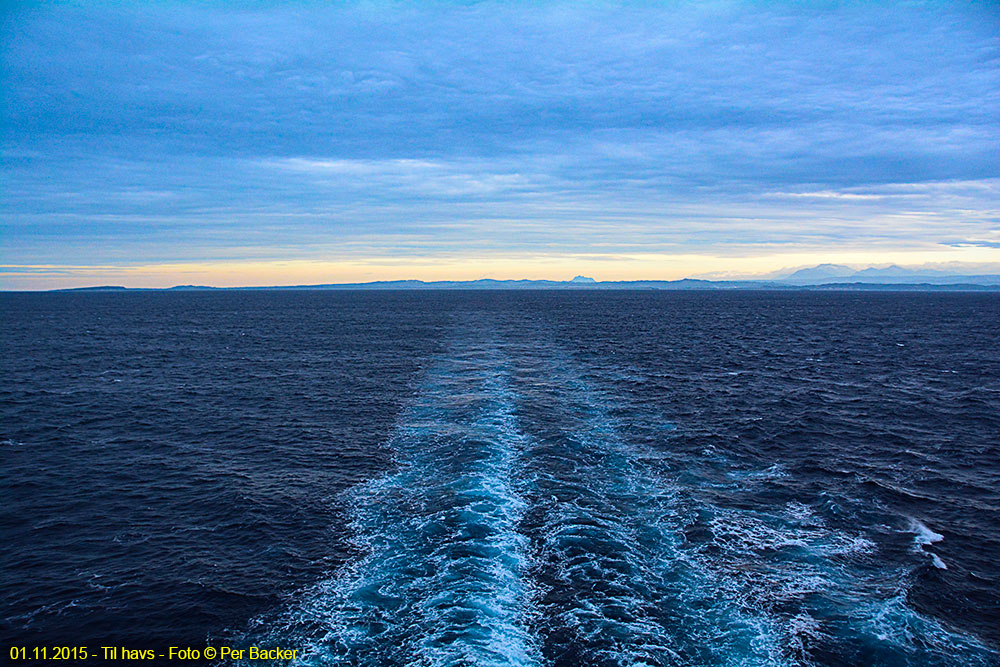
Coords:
pixel 469 478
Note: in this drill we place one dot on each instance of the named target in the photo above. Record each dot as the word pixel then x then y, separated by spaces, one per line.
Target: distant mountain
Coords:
pixel 827 274
pixel 823 273
pixel 822 277
pixel 893 272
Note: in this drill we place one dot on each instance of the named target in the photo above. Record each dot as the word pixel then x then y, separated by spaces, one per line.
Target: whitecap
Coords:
pixel 924 535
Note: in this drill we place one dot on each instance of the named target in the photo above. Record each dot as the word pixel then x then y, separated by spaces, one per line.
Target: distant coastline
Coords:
pixel 990 284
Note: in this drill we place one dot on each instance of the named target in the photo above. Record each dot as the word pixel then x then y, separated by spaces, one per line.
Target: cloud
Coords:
pixel 972 244
pixel 419 178
pixel 828 194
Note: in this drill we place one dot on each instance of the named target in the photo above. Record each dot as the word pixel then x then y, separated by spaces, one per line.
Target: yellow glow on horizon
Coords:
pixel 552 267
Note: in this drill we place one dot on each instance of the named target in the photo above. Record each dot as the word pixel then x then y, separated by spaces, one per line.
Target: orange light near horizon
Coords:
pixel 538 267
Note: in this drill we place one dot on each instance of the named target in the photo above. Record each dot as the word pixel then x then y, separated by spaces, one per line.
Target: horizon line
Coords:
pixel 910 283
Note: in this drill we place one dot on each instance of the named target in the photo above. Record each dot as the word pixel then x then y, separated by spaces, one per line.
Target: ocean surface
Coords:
pixel 505 478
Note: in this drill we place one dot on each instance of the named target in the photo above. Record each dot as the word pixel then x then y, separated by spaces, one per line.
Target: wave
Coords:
pixel 924 535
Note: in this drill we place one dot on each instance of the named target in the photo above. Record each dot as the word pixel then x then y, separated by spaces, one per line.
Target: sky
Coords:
pixel 257 143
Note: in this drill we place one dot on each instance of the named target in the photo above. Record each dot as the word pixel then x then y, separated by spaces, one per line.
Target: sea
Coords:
pixel 498 478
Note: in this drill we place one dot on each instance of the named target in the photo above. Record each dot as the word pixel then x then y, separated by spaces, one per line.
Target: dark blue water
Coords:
pixel 506 478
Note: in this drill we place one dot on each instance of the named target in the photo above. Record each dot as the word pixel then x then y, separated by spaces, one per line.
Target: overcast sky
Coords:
pixel 258 143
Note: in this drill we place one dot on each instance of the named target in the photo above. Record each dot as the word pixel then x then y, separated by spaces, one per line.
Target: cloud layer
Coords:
pixel 177 133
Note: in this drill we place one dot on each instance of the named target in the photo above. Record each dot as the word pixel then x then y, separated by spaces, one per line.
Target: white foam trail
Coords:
pixel 440 579
pixel 610 533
